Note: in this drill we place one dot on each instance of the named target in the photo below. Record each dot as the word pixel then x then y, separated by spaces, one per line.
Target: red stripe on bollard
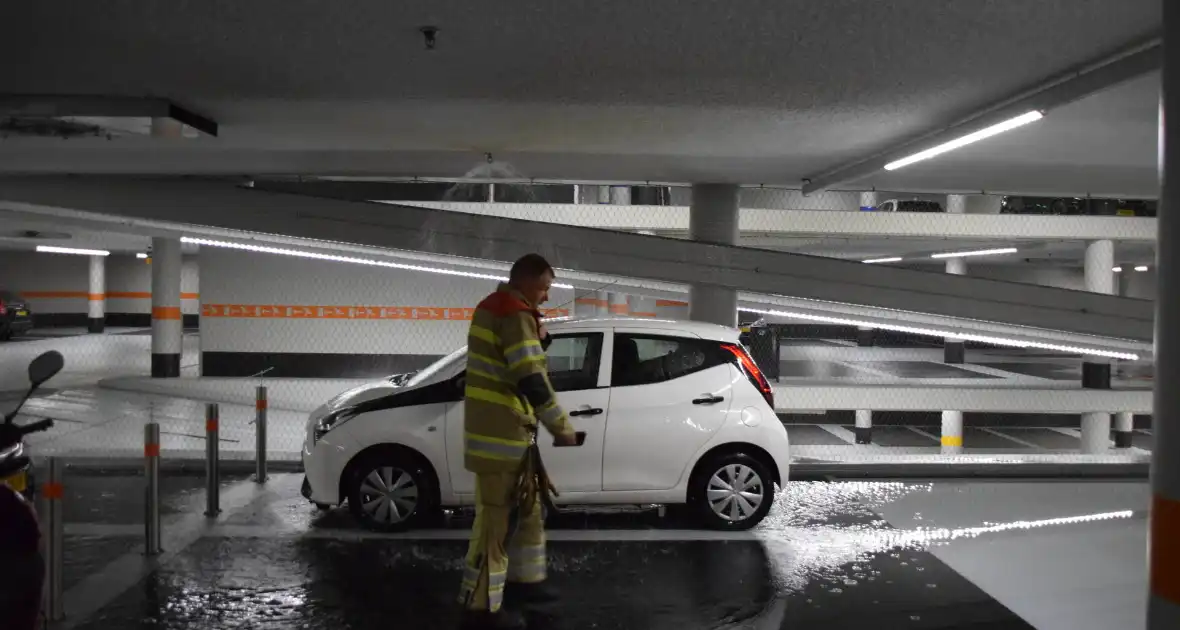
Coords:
pixel 211 425
pixel 53 490
pixel 151 450
pixel 260 405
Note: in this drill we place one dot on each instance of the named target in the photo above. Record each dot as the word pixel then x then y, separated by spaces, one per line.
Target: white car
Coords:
pixel 673 412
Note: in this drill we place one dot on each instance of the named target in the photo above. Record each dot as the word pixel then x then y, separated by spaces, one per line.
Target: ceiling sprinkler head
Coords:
pixel 430 35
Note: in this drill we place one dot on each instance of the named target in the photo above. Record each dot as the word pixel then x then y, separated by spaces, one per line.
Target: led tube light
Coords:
pixel 999 341
pixel 970 138
pixel 978 252
pixel 49 249
pixel 882 260
pixel 348 259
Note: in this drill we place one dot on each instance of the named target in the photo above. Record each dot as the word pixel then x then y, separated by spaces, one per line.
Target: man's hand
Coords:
pixel 565 439
pixel 542 332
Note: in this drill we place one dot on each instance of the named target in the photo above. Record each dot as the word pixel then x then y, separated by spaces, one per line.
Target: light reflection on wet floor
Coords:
pixel 822 556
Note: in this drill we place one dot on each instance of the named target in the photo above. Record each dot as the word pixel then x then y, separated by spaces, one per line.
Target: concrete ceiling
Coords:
pixel 1063 253
pixel 760 91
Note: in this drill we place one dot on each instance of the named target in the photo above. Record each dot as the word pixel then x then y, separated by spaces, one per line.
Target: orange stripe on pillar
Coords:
pixel 670 303
pixel 1165 548
pixel 166 312
pixel 97 297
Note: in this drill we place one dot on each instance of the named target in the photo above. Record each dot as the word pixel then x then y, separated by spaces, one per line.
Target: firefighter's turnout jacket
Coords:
pixel 503 349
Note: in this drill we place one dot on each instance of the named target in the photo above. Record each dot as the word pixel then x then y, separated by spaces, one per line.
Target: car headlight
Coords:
pixel 331 421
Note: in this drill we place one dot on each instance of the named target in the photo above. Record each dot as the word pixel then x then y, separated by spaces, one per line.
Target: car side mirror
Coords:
pixel 45 367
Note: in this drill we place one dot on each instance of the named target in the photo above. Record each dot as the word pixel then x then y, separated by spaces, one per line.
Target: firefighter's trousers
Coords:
pixel 507 541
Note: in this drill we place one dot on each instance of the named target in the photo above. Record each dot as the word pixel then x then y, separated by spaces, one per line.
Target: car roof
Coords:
pixel 700 329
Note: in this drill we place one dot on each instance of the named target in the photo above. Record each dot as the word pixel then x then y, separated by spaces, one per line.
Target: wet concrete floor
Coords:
pixel 824 558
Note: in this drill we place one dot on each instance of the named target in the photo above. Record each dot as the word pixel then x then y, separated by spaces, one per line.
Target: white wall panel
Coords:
pixel 238 279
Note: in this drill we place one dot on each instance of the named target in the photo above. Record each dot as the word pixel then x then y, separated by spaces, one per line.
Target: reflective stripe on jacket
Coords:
pixel 504 346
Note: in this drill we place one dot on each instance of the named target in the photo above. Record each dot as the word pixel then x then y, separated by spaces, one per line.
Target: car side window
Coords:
pixel 645 359
pixel 573 361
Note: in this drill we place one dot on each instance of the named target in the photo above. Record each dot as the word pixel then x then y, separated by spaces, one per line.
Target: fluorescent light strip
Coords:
pixel 999 341
pixel 348 259
pixel 970 138
pixel 881 260
pixel 978 252
pixel 49 249
pixel 141 255
pixel 1141 268
pixel 1117 269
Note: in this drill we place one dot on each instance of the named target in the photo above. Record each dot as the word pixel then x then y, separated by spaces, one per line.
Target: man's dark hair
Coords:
pixel 529 266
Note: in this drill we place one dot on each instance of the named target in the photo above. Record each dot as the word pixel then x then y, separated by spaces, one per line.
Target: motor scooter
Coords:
pixel 21 553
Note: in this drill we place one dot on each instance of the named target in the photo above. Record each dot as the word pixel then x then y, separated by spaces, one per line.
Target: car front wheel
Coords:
pixel 732 491
pixel 390 492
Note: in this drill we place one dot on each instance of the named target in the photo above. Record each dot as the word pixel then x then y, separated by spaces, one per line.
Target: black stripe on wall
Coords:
pixel 312 365
pixel 117 320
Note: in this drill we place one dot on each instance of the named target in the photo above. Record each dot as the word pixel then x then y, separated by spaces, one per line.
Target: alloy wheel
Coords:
pixel 735 492
pixel 389 495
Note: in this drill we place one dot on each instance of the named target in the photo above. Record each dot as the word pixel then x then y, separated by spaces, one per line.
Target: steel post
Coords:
pixel 212 456
pixel 51 518
pixel 151 456
pixel 260 405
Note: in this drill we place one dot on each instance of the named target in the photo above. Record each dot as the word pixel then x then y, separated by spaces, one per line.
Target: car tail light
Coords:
pixel 747 365
pixel 3 308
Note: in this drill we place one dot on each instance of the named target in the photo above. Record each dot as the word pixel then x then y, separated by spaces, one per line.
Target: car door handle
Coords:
pixel 707 400
pixel 588 411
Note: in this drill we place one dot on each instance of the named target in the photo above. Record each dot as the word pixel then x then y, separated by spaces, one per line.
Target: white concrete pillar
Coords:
pixel 1163 608
pixel 641 306
pixel 954 350
pixel 713 218
pixel 620 195
pixel 956 204
pixel 167 322
pixel 96 317
pixel 601 303
pixel 167 128
pixel 864 426
pixel 671 309
pixel 984 204
pixel 952 432
pixel 869 200
pixel 586 306
pixel 604 194
pixel 1124 427
pixel 1099 270
pixel 618 304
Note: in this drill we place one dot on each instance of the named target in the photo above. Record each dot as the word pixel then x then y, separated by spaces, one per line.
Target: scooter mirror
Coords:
pixel 45 367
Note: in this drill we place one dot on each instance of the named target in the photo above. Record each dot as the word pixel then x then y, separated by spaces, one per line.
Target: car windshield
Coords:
pixel 442 369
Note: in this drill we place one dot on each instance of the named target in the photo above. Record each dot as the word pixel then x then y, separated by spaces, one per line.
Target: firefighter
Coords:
pixel 507 394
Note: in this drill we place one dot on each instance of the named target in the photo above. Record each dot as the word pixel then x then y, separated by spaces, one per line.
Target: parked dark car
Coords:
pixel 1078 206
pixel 16 317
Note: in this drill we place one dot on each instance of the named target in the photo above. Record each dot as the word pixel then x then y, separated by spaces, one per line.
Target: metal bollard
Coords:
pixel 260 434
pixel 49 513
pixel 212 456
pixel 151 465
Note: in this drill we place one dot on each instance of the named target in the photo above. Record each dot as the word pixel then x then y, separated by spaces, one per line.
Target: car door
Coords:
pixel 580 379
pixel 669 395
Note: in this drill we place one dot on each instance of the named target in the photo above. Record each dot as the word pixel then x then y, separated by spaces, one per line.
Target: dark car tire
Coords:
pixel 409 500
pixel 712 480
